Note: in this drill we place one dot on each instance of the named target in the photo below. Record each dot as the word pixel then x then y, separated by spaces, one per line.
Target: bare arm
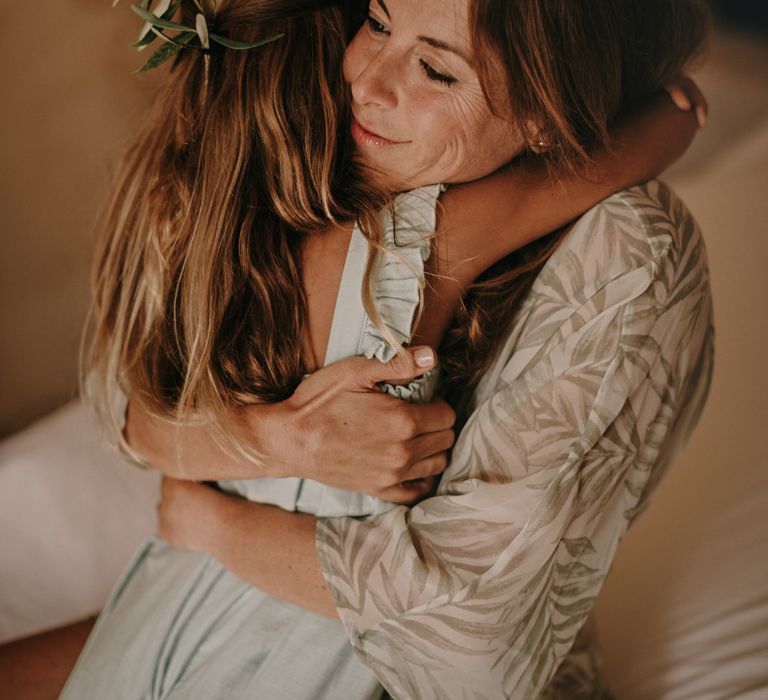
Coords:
pixel 485 220
pixel 270 548
pixel 322 432
pixel 37 667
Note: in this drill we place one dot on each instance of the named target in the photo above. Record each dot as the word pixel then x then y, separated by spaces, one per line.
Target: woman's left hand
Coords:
pixel 186 513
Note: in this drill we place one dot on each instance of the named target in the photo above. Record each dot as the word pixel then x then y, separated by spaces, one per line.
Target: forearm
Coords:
pixel 643 145
pixel 322 432
pixel 192 452
pixel 272 549
pixel 526 200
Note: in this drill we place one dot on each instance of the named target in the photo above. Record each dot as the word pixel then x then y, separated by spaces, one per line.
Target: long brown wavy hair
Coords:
pixel 197 297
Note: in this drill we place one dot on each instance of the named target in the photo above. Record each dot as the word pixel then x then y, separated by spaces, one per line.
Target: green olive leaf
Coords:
pixel 160 56
pixel 171 11
pixel 147 36
pixel 144 5
pixel 159 22
pixel 169 49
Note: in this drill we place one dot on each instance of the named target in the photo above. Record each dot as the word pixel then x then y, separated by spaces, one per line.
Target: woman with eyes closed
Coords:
pixel 553 352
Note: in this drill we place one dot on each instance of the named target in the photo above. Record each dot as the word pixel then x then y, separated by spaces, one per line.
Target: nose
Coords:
pixel 376 83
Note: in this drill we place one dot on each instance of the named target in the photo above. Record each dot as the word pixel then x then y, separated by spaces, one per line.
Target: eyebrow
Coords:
pixel 384 7
pixel 434 43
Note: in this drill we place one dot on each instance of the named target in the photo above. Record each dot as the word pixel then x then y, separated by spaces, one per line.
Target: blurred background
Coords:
pixel 684 613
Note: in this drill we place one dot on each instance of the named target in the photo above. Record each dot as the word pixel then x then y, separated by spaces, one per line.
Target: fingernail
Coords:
pixel 424 356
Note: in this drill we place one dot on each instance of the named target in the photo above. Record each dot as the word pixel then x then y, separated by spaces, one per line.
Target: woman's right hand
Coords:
pixel 338 428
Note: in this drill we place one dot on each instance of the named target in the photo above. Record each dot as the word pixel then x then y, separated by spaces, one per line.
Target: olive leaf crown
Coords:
pixel 159 20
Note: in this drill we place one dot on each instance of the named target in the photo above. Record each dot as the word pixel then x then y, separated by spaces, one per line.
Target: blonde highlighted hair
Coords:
pixel 197 296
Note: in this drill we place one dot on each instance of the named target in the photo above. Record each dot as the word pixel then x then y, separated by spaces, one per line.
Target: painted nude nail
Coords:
pixel 424 356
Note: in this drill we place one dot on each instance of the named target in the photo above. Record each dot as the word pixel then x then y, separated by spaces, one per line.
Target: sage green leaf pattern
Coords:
pixel 480 591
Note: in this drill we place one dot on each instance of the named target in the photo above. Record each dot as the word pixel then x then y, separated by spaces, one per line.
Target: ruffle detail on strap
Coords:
pixel 420 390
pixel 400 274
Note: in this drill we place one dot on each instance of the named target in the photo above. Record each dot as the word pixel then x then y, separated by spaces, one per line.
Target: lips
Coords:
pixel 366 137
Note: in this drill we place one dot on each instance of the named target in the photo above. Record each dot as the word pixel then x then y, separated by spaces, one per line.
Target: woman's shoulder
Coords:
pixel 646 233
pixel 654 214
pixel 631 273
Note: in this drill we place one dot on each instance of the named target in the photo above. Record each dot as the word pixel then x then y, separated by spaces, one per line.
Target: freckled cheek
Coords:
pixel 417 109
pixel 432 121
pixel 443 155
pixel 495 141
pixel 461 139
pixel 346 68
pixel 441 148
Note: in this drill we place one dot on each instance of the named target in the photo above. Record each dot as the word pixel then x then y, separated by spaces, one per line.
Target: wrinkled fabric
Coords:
pixel 482 590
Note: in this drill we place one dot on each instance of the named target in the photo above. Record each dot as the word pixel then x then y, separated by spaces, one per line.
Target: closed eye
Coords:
pixel 375 26
pixel 432 74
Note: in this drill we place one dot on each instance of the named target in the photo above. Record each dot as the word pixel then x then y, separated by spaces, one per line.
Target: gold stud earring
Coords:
pixel 540 146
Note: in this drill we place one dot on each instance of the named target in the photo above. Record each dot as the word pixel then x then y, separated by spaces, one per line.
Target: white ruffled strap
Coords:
pixel 400 275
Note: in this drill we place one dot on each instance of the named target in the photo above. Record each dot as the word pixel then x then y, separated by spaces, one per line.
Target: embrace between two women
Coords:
pixel 313 200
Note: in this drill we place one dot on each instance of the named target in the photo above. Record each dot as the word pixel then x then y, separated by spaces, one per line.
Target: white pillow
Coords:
pixel 71 516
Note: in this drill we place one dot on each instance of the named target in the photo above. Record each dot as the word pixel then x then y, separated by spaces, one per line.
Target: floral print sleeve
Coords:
pixel 480 591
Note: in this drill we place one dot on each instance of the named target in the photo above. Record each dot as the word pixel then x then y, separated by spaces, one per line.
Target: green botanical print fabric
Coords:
pixel 480 591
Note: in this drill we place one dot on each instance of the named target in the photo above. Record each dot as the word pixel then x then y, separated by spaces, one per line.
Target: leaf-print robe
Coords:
pixel 480 591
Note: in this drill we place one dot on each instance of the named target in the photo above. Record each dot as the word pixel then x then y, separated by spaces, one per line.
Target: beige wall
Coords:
pixel 68 100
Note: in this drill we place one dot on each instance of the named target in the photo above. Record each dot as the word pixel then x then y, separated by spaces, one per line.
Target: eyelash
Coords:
pixel 374 25
pixel 432 74
pixel 378 28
